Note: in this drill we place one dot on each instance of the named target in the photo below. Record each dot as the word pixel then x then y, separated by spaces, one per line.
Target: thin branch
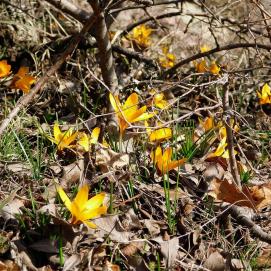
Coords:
pixel 25 100
pixel 227 123
pixel 227 47
pixel 144 20
pixel 107 64
pixel 242 217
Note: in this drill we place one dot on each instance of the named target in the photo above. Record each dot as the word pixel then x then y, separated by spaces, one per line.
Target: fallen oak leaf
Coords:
pixel 227 191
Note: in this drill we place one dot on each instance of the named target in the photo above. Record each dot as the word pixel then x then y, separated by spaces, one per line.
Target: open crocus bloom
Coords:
pixel 63 139
pixel 4 68
pixel 141 35
pixel 22 80
pixel 129 112
pixel 163 161
pixel 85 140
pixel 82 208
pixel 265 95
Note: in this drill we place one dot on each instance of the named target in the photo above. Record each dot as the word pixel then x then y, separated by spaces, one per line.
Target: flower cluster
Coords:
pixel 21 80
pixel 71 139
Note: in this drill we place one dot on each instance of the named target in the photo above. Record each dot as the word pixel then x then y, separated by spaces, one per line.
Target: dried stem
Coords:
pixel 25 100
pixel 227 123
pixel 106 58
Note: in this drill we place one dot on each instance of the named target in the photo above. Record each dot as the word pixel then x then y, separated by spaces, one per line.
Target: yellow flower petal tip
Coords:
pixel 163 161
pixel 82 208
pixel 129 112
pixel 5 68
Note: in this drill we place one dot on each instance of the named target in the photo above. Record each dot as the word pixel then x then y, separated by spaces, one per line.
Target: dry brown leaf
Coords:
pixel 215 262
pixel 261 194
pixel 110 267
pixel 72 173
pixel 11 209
pixel 107 157
pixel 109 226
pixel 227 191
pixel 255 197
pixel 169 249
pixel 132 248
pixel 71 262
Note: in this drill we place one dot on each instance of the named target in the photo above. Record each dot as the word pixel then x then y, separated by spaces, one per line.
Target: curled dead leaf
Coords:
pixel 132 248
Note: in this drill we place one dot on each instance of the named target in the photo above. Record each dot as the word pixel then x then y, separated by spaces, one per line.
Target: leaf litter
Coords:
pixel 161 195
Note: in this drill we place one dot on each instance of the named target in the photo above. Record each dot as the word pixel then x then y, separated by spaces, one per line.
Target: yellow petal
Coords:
pixel 84 141
pixel 266 90
pixel 160 134
pixel 57 133
pixel 201 66
pixel 95 135
pixel 25 83
pixel 95 201
pixel 175 164
pixel 4 68
pixel 156 155
pixel 90 224
pixel 214 69
pixel 93 213
pixel 114 100
pixel 82 196
pixel 22 71
pixel 64 198
pixel 204 49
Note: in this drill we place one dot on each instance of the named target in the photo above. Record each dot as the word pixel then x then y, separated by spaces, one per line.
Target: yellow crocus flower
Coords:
pixel 201 66
pixel 265 95
pixel 163 161
pixel 22 80
pixel 63 139
pixel 82 208
pixel 85 140
pixel 129 112
pixel 214 68
pixel 141 35
pixel 4 68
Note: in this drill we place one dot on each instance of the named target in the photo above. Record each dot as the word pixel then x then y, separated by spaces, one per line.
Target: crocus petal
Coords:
pixel 64 198
pixel 174 164
pixel 57 133
pixel 4 68
pixel 114 100
pixel 25 83
pixel 90 224
pixel 93 213
pixel 214 69
pixel 156 155
pixel 95 201
pixel 95 135
pixel 68 140
pixel 167 155
pixel 82 196
pixel 22 71
pixel 160 134
pixel 83 141
pixel 131 103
